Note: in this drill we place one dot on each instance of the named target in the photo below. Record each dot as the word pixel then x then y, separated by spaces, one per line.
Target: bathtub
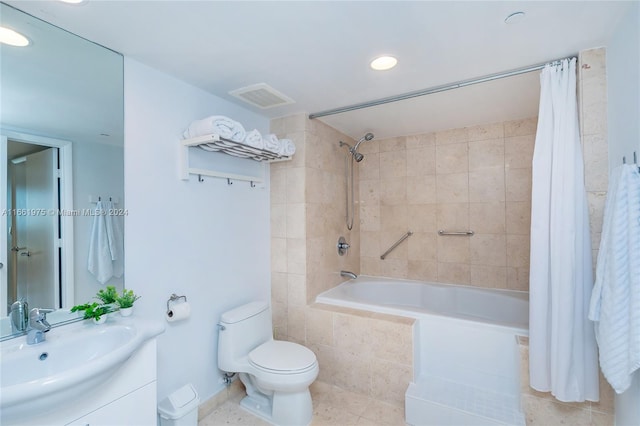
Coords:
pixel 466 357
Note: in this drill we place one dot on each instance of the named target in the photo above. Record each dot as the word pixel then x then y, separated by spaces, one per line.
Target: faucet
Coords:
pixel 348 274
pixel 37 325
pixel 19 316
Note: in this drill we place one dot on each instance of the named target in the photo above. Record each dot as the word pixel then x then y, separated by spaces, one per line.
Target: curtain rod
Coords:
pixel 433 90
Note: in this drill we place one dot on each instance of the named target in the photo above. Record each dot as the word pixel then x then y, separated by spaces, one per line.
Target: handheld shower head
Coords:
pixel 357 156
pixel 366 137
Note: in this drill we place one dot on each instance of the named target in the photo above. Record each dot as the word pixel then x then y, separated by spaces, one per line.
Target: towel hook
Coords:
pixel 200 178
pixel 252 183
pixel 229 182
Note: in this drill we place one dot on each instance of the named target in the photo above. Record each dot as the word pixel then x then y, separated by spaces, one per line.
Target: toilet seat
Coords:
pixel 280 357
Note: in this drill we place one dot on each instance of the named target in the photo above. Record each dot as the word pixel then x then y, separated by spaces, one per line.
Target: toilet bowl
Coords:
pixel 276 374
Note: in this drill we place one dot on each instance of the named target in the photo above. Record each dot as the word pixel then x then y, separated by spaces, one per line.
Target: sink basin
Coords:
pixel 73 360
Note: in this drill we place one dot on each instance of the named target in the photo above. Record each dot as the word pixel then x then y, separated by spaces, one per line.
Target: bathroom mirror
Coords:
pixel 62 116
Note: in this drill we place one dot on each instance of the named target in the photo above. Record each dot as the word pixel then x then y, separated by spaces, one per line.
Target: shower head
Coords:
pixel 366 137
pixel 357 156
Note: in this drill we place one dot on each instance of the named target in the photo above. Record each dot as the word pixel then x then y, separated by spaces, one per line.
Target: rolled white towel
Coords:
pixel 218 124
pixel 254 139
pixel 287 148
pixel 271 143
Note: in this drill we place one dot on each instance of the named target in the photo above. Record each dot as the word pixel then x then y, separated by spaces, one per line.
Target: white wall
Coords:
pixel 623 85
pixel 623 88
pixel 208 241
pixel 98 169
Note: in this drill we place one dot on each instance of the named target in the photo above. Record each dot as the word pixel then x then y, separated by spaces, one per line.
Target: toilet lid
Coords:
pixel 282 356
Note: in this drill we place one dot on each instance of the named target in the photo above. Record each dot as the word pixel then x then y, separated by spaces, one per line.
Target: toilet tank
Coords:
pixel 242 329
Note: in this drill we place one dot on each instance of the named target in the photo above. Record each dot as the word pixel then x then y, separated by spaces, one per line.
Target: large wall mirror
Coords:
pixel 61 151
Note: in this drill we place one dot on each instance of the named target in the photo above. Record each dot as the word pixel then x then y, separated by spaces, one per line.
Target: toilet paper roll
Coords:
pixel 179 312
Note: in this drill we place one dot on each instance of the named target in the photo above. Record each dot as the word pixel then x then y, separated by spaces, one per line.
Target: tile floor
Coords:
pixel 331 406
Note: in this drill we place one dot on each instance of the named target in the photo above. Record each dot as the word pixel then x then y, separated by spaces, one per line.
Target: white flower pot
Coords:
pixel 102 320
pixel 125 312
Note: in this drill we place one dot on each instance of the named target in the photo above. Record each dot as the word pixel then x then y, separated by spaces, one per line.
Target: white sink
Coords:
pixel 73 360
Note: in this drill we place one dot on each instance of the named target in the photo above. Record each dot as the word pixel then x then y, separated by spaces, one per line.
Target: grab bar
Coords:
pixel 463 233
pixel 404 237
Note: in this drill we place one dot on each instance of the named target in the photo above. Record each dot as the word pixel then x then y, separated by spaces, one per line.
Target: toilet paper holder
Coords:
pixel 174 297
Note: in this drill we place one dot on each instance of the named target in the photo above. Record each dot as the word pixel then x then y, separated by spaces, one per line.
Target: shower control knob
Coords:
pixel 343 246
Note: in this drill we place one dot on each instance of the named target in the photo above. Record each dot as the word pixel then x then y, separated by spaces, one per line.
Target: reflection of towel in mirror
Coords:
pixel 100 262
pixel 115 238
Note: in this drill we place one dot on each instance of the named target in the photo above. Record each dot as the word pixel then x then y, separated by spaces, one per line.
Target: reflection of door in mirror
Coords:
pixel 33 199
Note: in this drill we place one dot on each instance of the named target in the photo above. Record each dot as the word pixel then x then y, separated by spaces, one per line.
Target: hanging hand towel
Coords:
pixel 115 238
pixel 615 300
pixel 218 124
pixel 100 261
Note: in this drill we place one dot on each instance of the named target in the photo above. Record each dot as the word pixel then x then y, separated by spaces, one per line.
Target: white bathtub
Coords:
pixel 466 358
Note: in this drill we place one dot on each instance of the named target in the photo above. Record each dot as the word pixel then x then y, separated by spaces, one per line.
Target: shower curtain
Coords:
pixel 562 348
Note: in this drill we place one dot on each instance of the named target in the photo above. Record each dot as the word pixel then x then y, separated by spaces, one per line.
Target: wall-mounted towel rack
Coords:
pixel 95 198
pixel 456 233
pixel 396 244
pixel 216 143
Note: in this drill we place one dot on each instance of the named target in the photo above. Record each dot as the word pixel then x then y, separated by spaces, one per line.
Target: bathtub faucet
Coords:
pixel 348 274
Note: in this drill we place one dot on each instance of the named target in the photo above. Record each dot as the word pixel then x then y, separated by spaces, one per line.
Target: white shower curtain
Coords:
pixel 563 355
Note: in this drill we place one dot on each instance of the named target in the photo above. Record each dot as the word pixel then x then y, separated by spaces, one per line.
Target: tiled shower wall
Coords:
pixel 307 217
pixel 473 178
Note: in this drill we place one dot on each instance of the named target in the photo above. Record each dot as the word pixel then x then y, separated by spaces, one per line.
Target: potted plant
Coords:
pixel 125 301
pixel 108 295
pixel 96 312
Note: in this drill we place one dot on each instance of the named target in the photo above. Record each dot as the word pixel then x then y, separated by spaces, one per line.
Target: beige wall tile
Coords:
pixel 296 255
pixel 422 217
pixel 453 217
pixel 394 219
pixel 488 249
pixel 421 189
pixel 518 278
pixel 393 144
pixel 278 220
pixel 454 273
pixel 297 289
pixel 389 380
pixel 452 188
pixel 369 169
pixel 593 63
pixel 420 141
pixel 369 192
pixel 522 127
pixel 279 318
pixel 518 184
pixel 278 254
pixel 421 161
pixel 487 218
pixel 278 183
pixel 486 185
pixel 393 191
pixel 423 246
pixel 370 218
pixel 396 268
pixel 453 249
pixel 295 185
pixel 296 323
pixel 369 244
pixel 486 154
pixel 352 372
pixel 486 131
pixel 488 276
pixel 543 412
pixel 452 158
pixel 393 164
pixel 319 327
pixel 518 151
pixel 295 216
pixel 519 217
pixel 279 290
pixel 452 136
pixel 596 163
pixel 518 250
pixel 423 271
pixel 370 265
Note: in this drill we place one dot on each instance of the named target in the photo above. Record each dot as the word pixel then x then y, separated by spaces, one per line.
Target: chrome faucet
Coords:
pixel 19 316
pixel 348 274
pixel 38 325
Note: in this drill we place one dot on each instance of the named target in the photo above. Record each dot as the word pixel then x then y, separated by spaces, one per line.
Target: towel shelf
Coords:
pixel 216 143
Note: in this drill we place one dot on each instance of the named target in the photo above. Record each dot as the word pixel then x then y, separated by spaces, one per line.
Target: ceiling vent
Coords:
pixel 261 95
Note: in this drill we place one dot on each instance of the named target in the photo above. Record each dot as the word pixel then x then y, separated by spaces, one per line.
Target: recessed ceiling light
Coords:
pixel 514 18
pixel 383 63
pixel 12 38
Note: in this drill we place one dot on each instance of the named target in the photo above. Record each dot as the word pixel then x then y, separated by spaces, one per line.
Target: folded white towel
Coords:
pixel 100 261
pixel 615 300
pixel 271 143
pixel 218 124
pixel 287 148
pixel 254 139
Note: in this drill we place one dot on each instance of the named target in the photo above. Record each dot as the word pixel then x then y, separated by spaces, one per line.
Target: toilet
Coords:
pixel 276 374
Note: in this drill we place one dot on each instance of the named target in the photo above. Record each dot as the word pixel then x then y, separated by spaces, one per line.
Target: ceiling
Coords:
pixel 317 53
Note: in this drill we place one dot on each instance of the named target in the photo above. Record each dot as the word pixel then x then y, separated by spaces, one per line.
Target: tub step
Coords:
pixel 435 401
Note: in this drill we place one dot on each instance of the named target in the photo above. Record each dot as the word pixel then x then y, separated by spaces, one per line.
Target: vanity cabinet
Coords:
pixel 128 397
pixel 136 408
